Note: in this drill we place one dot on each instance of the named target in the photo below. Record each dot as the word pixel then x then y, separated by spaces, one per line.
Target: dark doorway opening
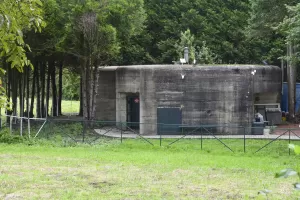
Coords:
pixel 133 111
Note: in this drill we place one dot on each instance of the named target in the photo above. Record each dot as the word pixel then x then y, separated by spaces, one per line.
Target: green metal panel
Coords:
pixel 169 120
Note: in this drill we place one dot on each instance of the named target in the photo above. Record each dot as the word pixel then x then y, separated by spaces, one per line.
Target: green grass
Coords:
pixel 70 106
pixel 66 107
pixel 137 170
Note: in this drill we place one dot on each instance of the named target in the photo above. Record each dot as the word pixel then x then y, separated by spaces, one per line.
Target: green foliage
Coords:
pixel 3 98
pixel 187 39
pixel 71 33
pixel 58 136
pixel 263 20
pixel 6 137
pixel 273 27
pixel 101 29
pixel 204 55
pixel 15 17
pixel 127 17
pixel 296 148
pixel 71 85
pixel 220 24
pixel 291 28
pixel 55 16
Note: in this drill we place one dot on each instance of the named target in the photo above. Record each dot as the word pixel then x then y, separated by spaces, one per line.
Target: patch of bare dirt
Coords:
pixel 6 156
pixel 180 172
pixel 13 196
pixel 57 176
pixel 100 184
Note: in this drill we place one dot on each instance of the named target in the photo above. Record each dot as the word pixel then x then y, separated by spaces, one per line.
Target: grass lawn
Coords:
pixel 136 170
pixel 66 107
pixel 70 106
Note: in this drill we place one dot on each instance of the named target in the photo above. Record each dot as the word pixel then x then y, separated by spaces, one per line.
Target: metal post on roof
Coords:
pixel 186 54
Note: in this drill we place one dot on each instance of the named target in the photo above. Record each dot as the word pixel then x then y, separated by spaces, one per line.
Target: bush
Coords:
pixel 6 137
pixel 56 141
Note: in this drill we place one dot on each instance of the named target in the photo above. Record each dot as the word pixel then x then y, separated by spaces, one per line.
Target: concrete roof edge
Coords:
pixel 108 68
pixel 164 66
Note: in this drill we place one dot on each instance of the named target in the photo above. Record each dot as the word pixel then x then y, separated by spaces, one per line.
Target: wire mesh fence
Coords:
pixel 231 138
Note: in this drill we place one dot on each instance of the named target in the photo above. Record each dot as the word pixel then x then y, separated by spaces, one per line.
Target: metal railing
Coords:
pixel 91 132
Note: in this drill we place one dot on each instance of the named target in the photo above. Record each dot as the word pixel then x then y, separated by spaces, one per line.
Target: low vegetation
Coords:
pixel 53 169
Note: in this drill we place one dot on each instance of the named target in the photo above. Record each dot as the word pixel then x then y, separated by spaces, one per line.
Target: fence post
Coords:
pixel 244 139
pixel 159 135
pixel 28 127
pixel 121 132
pixel 289 141
pixel 21 126
pixel 201 138
pixel 83 131
pixel 10 124
pixel 49 128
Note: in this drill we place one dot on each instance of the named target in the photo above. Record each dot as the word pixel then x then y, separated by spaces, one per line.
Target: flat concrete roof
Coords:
pixel 190 67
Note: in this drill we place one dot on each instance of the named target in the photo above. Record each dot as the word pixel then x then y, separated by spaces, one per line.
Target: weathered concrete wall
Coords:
pixel 207 94
pixel 148 101
pixel 106 97
pixel 127 81
pixel 216 94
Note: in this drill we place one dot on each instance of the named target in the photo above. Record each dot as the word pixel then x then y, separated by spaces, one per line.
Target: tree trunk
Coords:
pixel 8 90
pixel 48 89
pixel 38 91
pixel 54 91
pixel 32 93
pixel 43 74
pixel 24 82
pixel 8 85
pixel 291 71
pixel 21 97
pixel 27 93
pixel 81 98
pixel 14 91
pixel 94 91
pixel 89 89
pixel 60 88
pixel 85 91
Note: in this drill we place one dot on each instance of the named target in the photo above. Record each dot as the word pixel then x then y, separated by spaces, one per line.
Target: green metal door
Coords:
pixel 169 120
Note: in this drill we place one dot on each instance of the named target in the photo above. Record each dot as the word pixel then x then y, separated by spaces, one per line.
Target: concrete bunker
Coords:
pixel 162 99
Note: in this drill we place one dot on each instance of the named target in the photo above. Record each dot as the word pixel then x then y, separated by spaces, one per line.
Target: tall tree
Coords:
pixel 15 17
pixel 95 36
pixel 220 24
pixel 291 29
pixel 264 22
